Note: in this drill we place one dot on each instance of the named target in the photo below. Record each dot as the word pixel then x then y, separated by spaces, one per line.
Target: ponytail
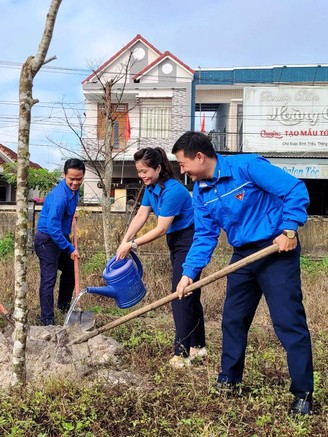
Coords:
pixel 153 157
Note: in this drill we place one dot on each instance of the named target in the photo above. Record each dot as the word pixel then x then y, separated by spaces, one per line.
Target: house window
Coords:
pixel 156 118
pixel 119 115
pixel 3 192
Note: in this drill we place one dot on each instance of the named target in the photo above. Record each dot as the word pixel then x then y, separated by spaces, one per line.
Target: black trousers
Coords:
pixel 52 259
pixel 187 312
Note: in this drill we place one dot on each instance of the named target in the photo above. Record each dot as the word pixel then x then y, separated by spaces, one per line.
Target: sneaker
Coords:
pixel 301 406
pixel 197 352
pixel 178 362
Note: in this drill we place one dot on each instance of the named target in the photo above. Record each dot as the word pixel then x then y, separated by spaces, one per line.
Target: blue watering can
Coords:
pixel 123 281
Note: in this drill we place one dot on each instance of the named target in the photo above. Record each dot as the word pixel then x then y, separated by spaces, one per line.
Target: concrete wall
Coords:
pixel 7 222
pixel 313 236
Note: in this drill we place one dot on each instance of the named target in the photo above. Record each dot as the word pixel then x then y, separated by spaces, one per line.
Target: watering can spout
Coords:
pixel 123 281
pixel 103 291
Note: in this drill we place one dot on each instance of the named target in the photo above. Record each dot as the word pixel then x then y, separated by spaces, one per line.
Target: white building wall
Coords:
pixel 157 83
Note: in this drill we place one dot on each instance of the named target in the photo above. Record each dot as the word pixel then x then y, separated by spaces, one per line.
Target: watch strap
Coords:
pixel 134 245
pixel 289 233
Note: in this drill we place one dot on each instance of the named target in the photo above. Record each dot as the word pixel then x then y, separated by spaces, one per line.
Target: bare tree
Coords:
pixel 26 101
pixel 100 153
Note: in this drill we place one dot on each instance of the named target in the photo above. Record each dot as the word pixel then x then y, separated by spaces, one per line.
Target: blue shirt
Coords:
pixel 57 214
pixel 172 200
pixel 250 199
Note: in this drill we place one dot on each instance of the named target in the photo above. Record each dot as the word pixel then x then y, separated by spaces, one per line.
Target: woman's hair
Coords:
pixel 153 157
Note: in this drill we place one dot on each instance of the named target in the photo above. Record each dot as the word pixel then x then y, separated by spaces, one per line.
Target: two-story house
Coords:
pixel 151 95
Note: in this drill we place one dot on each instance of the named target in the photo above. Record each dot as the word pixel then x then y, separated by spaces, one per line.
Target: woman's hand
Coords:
pixel 124 250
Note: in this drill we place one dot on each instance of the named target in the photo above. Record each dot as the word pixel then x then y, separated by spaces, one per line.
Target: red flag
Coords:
pixel 202 124
pixel 127 128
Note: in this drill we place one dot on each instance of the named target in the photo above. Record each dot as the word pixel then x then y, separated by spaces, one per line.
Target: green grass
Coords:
pixel 166 402
pixel 313 267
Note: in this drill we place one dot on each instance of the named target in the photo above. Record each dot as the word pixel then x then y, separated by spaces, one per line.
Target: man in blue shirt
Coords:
pixel 256 204
pixel 52 243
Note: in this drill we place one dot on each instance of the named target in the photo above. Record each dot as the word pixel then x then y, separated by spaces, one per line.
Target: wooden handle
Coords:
pixel 3 310
pixel 6 313
pixel 233 267
pixel 205 281
pixel 74 233
pixel 76 277
pixel 76 262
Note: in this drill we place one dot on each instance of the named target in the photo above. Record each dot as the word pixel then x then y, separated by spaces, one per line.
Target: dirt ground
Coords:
pixel 47 356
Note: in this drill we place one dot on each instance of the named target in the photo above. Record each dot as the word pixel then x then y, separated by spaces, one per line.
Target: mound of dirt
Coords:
pixel 48 356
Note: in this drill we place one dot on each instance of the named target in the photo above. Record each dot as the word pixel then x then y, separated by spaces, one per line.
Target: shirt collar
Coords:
pixel 155 189
pixel 222 170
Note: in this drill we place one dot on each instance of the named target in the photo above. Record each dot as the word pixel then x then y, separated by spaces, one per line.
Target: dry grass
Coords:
pixel 172 403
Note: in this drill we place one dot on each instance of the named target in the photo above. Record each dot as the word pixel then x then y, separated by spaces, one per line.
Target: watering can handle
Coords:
pixel 137 261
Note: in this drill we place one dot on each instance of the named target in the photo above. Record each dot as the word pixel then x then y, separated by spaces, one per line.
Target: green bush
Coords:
pixel 7 245
pixel 95 264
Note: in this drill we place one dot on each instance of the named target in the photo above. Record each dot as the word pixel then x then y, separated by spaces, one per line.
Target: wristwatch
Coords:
pixel 134 245
pixel 289 234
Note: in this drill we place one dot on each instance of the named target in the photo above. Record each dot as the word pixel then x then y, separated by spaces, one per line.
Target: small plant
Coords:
pixel 95 264
pixel 7 245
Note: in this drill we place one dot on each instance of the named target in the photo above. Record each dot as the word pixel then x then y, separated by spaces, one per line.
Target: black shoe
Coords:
pixel 301 406
pixel 225 387
pixel 48 322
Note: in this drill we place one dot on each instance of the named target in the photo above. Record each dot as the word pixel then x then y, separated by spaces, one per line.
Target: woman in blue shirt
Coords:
pixel 171 203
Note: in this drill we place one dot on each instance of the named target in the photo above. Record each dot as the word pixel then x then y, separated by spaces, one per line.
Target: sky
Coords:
pixel 205 34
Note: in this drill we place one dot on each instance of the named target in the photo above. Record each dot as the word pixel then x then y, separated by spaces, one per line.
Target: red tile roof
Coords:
pixel 13 156
pixel 158 60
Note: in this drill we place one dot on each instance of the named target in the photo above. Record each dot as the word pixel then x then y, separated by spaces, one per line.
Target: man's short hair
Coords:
pixel 192 142
pixel 74 163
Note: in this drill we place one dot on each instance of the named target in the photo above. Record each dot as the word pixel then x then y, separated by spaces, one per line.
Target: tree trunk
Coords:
pixel 26 102
pixel 108 170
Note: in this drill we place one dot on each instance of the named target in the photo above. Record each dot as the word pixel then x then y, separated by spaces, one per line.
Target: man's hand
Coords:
pixel 74 254
pixel 184 282
pixel 285 244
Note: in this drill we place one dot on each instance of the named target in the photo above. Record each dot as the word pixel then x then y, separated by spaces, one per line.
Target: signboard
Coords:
pixel 303 168
pixel 285 119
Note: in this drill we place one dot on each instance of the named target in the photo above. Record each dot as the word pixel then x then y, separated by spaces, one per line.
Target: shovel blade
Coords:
pixel 85 319
pixel 75 318
pixel 88 320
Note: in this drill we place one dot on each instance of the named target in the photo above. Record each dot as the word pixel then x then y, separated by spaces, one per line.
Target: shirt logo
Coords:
pixel 240 195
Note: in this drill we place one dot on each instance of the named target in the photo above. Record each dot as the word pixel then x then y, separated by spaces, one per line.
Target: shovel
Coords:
pixel 86 319
pixel 204 281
